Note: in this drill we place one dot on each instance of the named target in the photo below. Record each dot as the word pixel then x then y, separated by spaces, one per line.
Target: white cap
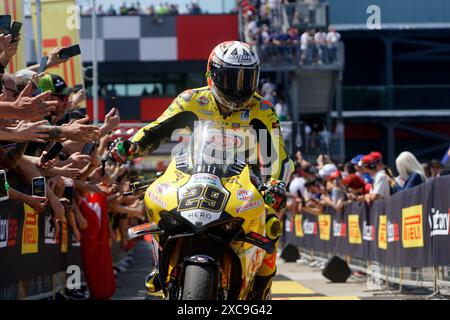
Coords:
pixel 26 73
pixel 327 170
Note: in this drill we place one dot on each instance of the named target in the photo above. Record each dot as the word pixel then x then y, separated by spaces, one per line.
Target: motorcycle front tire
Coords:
pixel 199 282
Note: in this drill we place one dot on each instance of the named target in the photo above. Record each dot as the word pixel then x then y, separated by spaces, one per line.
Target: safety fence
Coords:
pixel 403 240
pixel 34 253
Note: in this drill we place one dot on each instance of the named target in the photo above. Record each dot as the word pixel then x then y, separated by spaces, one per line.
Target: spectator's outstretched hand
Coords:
pixel 79 160
pixel 5 41
pixel 112 119
pixel 78 131
pixel 58 209
pixel 33 108
pixel 37 203
pixel 42 164
pixel 77 99
pixel 70 172
pixel 29 131
pixel 12 49
pixel 53 57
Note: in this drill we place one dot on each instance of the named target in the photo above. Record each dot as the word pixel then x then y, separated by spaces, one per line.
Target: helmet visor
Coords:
pixel 236 84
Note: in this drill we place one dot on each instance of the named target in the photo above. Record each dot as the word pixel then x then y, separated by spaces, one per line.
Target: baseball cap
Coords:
pixel 357 159
pixel 369 161
pixel 327 170
pixel 26 73
pixel 335 175
pixel 55 84
pixel 376 156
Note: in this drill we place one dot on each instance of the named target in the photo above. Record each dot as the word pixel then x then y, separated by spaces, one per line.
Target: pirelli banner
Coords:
pixel 409 229
pixel 30 245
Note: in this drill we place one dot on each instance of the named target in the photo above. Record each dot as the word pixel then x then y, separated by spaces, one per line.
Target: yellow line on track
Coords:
pixel 320 298
pixel 289 287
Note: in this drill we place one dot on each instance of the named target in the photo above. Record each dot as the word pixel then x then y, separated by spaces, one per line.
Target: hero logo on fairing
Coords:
pixel 439 222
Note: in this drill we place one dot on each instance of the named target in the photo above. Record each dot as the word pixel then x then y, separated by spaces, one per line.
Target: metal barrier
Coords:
pixel 383 277
pixel 42 287
pixel 400 243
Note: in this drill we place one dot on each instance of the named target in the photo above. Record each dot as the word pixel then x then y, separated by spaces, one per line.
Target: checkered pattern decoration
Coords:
pixel 145 38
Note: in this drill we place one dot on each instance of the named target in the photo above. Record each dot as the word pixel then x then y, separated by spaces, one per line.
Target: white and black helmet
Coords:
pixel 233 74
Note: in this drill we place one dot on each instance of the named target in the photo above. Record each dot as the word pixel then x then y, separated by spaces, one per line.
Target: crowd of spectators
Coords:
pixel 365 178
pixel 279 38
pixel 135 8
pixel 83 188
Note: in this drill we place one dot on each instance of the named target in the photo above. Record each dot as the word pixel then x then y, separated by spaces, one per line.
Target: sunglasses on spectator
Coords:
pixel 5 88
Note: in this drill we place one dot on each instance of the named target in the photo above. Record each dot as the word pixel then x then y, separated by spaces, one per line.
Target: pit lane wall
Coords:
pixel 410 229
pixel 34 256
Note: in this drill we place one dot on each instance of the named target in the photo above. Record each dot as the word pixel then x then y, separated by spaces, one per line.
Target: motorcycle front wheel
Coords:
pixel 199 282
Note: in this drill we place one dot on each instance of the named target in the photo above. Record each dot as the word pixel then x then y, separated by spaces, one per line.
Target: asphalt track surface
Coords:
pixel 294 281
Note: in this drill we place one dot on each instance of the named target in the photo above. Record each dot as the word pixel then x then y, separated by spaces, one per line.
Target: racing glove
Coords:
pixel 275 195
pixel 123 150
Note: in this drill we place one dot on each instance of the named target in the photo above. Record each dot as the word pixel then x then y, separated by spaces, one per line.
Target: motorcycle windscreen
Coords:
pixel 222 146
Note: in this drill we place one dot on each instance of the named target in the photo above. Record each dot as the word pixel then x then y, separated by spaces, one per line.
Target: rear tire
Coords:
pixel 199 282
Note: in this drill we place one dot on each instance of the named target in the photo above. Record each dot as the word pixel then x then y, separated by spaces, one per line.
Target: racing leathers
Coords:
pixel 199 105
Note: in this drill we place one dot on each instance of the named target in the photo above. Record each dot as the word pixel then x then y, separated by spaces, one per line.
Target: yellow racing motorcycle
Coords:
pixel 208 221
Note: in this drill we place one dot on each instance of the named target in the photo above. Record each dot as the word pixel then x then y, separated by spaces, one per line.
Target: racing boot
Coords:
pixel 152 282
pixel 262 287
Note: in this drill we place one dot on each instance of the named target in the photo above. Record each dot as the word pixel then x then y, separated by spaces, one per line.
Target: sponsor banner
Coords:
pixel 324 227
pixel 3 233
pixel 355 214
pixel 13 231
pixel 30 231
pixel 417 250
pixel 51 235
pixel 64 236
pixel 438 221
pixel 382 232
pixel 412 229
pixel 298 220
pixel 74 241
pixel 368 232
pixel 26 234
pixel 59 29
pixel 309 227
pixel 339 243
pixel 14 8
pixel 408 229
pixel 354 232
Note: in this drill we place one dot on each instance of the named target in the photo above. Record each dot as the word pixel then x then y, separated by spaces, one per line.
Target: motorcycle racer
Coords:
pixel 230 97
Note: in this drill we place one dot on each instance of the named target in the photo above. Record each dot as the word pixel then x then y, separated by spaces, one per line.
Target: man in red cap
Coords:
pixel 380 188
pixel 378 159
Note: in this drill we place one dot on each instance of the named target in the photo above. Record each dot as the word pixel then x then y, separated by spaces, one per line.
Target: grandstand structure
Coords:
pixel 395 90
